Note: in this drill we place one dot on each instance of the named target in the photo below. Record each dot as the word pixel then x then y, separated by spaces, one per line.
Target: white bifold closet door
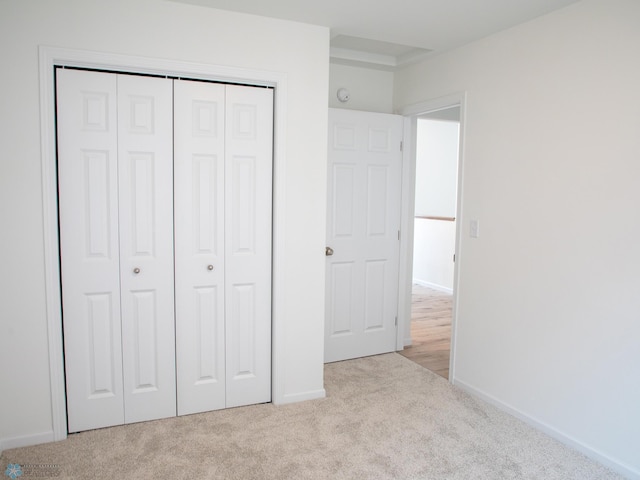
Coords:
pixel 223 185
pixel 129 354
pixel 116 244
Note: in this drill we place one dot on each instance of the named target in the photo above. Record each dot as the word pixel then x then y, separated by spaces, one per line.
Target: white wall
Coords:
pixel 371 90
pixel 434 244
pixel 548 303
pixel 436 179
pixel 436 167
pixel 176 32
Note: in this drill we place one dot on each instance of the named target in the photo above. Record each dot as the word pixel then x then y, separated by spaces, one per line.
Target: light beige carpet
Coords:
pixel 384 418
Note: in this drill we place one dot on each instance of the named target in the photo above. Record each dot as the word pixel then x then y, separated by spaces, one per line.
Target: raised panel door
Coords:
pixel 363 221
pixel 118 207
pixel 145 189
pixel 199 130
pixel 88 207
pixel 248 187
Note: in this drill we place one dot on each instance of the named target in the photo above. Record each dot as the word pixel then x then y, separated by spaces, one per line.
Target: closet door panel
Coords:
pixel 87 181
pixel 123 186
pixel 199 243
pixel 145 156
pixel 248 193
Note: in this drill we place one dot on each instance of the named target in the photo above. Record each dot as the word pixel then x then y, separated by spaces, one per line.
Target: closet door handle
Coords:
pixel 328 251
pixel 136 270
pixel 209 267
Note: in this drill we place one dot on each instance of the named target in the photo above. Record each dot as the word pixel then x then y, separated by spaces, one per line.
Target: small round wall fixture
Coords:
pixel 343 95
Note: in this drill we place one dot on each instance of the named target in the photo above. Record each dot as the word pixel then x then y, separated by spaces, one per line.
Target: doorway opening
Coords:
pixel 436 154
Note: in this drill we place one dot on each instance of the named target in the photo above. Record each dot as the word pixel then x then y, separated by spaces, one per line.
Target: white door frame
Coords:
pixel 411 114
pixel 49 57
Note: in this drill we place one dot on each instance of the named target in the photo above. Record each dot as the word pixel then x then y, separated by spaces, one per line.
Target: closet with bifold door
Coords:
pixel 165 198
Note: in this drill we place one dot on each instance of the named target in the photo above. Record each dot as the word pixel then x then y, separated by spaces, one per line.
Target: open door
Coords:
pixel 363 231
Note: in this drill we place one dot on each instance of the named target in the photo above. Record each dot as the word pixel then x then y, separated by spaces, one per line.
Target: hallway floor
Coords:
pixel 431 313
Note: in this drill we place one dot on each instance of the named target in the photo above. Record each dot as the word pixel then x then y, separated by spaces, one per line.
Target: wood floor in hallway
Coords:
pixel 431 313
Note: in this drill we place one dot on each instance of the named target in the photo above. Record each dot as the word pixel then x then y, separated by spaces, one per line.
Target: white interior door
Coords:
pixel 363 223
pixel 90 270
pixel 248 214
pixel 145 190
pixel 199 242
pixel 223 173
pixel 116 242
pixel 117 178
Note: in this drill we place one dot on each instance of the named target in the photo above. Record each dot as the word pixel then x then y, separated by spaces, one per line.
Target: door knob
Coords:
pixel 328 251
pixel 136 270
pixel 209 267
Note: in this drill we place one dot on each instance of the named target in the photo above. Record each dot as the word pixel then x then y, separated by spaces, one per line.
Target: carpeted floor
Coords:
pixel 384 418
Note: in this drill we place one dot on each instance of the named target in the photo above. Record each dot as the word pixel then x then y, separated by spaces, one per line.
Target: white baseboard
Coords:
pixel 440 288
pixel 302 396
pixel 615 465
pixel 26 440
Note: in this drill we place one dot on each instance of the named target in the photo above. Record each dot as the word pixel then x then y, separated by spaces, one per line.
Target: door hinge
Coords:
pixel 401 146
pixel 398 234
pixel 454 258
pixel 396 321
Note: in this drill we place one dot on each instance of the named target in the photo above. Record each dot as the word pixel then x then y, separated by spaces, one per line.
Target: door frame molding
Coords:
pixel 411 114
pixel 50 57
